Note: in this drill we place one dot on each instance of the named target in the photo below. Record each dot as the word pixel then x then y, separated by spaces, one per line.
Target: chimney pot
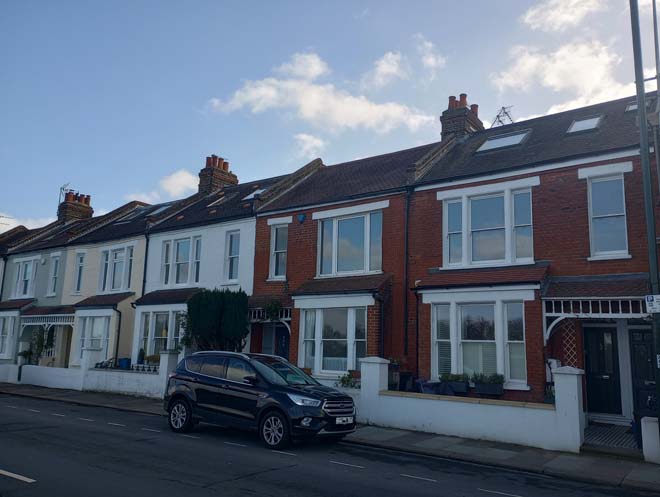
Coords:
pixel 88 200
pixel 209 162
pixel 475 109
pixel 463 101
pixel 452 102
pixel 226 166
pixel 68 197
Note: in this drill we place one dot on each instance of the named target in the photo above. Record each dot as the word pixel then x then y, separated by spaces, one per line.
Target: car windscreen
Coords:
pixel 282 373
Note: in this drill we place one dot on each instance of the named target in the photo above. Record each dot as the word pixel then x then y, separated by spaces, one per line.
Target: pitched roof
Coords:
pixel 175 296
pixel 607 286
pixel 547 141
pixel 107 300
pixel 16 304
pixel 343 285
pixel 227 203
pixel 353 179
pixel 50 310
pixel 11 237
pixel 506 275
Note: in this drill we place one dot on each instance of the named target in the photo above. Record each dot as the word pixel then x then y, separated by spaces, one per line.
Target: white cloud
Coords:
pixel 309 146
pixel 8 222
pixel 151 197
pixel 386 69
pixel 179 183
pixel 559 15
pixel 432 60
pixel 585 69
pixel 308 66
pixel 324 105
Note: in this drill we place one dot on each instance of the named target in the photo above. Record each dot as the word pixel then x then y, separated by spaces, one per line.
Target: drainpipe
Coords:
pixel 405 271
pixel 5 259
pixel 379 298
pixel 416 332
pixel 146 260
pixel 118 334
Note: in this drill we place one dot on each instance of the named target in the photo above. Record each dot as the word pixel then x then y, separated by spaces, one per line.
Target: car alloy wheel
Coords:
pixel 178 416
pixel 273 430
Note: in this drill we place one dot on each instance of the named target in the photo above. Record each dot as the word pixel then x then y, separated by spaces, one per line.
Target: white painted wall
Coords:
pixel 52 377
pixel 650 440
pixel 558 427
pixel 214 246
pixel 9 373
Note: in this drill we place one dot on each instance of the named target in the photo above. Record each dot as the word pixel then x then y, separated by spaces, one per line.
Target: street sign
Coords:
pixel 653 304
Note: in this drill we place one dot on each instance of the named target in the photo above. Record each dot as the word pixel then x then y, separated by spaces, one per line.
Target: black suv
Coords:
pixel 255 391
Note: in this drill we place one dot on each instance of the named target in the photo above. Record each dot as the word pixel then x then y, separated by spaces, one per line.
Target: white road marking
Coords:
pixel 189 436
pixel 150 429
pixel 58 415
pixel 117 424
pixel 86 419
pixel 498 493
pixel 12 407
pixel 34 410
pixel 346 464
pixel 418 478
pixel 16 477
pixel 235 444
pixel 285 453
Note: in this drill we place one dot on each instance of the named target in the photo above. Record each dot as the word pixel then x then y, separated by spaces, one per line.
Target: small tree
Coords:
pixel 217 320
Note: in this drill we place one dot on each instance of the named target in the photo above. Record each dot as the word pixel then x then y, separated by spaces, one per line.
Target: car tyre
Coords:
pixel 180 416
pixel 274 430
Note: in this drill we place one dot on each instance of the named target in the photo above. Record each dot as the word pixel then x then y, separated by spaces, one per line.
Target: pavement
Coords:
pixel 371 442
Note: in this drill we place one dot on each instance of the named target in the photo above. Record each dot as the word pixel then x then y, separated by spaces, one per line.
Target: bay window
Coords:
pixel 351 244
pixel 334 340
pixel 278 250
pixel 160 330
pixel 488 224
pixel 607 217
pixel 180 261
pixel 95 334
pixel 479 337
pixel 5 333
pixel 161 320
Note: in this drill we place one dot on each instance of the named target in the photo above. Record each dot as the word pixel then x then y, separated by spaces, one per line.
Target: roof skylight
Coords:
pixel 584 124
pixel 254 193
pixel 506 140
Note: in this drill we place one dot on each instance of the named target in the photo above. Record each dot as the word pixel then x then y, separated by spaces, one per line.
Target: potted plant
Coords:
pixel 140 357
pixel 26 355
pixel 348 381
pixel 488 384
pixel 459 383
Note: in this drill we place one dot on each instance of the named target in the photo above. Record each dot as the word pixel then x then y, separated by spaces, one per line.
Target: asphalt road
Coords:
pixel 55 449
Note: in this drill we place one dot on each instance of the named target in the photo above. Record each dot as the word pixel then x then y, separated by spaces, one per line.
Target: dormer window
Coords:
pixel 505 140
pixel 586 124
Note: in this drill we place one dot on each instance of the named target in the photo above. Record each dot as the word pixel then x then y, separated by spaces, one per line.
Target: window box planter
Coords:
pixel 459 383
pixel 488 385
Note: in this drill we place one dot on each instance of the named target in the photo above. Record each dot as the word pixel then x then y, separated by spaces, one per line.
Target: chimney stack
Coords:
pixel 75 206
pixel 215 175
pixel 459 120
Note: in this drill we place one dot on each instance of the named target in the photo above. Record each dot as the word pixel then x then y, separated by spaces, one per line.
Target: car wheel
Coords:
pixel 180 416
pixel 274 430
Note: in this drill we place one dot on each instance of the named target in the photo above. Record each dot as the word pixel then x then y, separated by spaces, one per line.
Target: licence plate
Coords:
pixel 345 420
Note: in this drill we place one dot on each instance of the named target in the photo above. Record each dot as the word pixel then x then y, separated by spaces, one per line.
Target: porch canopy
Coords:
pixel 164 297
pixel 110 300
pixel 47 316
pixel 613 296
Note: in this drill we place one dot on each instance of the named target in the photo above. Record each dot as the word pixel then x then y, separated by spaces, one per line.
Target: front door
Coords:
pixel 643 372
pixel 282 342
pixel 602 370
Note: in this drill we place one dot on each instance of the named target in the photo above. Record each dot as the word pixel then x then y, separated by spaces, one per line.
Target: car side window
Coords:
pixel 193 364
pixel 213 366
pixel 238 369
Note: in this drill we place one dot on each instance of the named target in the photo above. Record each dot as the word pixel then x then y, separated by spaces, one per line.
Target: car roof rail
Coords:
pixel 222 352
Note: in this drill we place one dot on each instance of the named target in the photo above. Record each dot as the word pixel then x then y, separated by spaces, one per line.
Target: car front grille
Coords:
pixel 339 407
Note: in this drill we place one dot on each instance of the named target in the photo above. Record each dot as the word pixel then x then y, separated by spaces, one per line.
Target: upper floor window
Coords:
pixel 485 229
pixel 54 274
pixel 5 333
pixel 233 252
pixel 116 269
pixel 177 258
pixel 278 249
pixel 351 244
pixel 78 275
pixel 607 216
pixel 25 273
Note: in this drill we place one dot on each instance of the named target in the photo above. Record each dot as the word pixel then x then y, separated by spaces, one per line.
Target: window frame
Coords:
pixel 169 264
pixel 79 259
pixel 351 349
pixel 595 127
pixel 274 252
pixel 612 254
pixel 108 264
pixel 146 336
pixel 334 273
pixel 84 337
pixel 53 274
pixel 21 268
pixel 176 263
pixel 6 334
pixel 510 256
pixel 228 244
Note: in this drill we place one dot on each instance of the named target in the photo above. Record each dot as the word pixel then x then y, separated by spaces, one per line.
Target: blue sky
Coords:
pixel 125 99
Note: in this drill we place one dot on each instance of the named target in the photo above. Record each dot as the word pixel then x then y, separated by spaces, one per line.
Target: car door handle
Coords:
pixel 223 386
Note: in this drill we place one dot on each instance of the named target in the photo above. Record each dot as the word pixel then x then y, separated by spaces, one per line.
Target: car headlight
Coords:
pixel 304 401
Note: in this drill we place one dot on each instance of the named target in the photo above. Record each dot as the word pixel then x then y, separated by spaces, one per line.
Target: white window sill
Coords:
pixel 608 257
pixel 50 295
pixel 229 283
pixel 278 278
pixel 514 385
pixel 346 275
pixel 488 265
pixel 75 294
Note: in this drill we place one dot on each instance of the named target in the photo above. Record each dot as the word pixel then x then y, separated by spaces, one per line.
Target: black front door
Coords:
pixel 282 342
pixel 643 372
pixel 602 370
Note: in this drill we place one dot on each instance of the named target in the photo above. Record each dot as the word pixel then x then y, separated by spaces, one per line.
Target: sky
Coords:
pixel 123 100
